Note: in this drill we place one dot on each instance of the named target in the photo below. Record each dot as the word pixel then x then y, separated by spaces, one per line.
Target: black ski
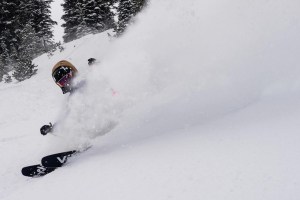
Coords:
pixel 49 163
pixel 37 170
pixel 58 159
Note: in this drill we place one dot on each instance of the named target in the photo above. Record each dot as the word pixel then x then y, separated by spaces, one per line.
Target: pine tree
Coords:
pixel 4 61
pixel 83 27
pixel 24 69
pixel 7 78
pixel 71 20
pixel 43 24
pixel 104 17
pixel 2 69
pixel 29 42
pixel 124 15
pixel 84 17
pixel 7 34
pixel 38 15
pixel 26 31
pixel 138 5
pixel 8 24
pixel 23 66
pixel 126 11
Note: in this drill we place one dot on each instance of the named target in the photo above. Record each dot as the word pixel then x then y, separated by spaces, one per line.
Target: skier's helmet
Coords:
pixel 63 73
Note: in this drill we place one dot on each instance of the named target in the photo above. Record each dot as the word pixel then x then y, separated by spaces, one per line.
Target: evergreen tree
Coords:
pixel 4 62
pixel 83 27
pixel 42 23
pixel 26 31
pixel 8 32
pixel 24 69
pixel 84 17
pixel 126 11
pixel 2 70
pixel 124 15
pixel 138 5
pixel 29 42
pixel 104 16
pixel 7 78
pixel 71 20
pixel 7 11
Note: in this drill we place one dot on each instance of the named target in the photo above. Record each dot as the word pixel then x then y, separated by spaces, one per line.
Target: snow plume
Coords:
pixel 209 57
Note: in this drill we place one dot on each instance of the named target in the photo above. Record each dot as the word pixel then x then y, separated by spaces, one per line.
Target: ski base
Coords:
pixel 58 159
pixel 37 170
pixel 49 163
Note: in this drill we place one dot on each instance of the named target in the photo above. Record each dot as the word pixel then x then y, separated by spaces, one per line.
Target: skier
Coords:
pixel 63 74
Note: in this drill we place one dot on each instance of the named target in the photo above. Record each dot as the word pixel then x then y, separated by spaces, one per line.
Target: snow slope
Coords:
pixel 198 100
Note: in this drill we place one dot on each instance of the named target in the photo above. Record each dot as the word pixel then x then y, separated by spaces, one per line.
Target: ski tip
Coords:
pixel 36 171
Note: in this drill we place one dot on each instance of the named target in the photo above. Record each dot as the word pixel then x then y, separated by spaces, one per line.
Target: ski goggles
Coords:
pixel 62 76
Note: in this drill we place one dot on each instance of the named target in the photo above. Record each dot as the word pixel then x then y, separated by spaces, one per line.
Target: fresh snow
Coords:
pixel 198 100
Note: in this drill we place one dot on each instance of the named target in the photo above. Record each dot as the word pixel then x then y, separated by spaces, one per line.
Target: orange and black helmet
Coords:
pixel 63 72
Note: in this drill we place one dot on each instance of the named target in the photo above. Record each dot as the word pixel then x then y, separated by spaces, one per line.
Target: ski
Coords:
pixel 50 163
pixel 37 170
pixel 58 159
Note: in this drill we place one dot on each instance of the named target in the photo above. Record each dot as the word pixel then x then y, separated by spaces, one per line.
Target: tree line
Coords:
pixel 27 28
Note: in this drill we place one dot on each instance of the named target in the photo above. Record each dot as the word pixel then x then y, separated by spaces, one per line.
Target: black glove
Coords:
pixel 46 129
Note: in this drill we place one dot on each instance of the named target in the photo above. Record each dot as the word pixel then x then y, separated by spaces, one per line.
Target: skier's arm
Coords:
pixel 63 115
pixel 50 127
pixel 46 129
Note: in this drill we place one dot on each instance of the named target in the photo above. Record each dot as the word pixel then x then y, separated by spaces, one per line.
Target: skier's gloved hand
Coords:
pixel 46 129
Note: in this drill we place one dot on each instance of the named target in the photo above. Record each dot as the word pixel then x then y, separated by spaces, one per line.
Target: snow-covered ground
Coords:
pixel 199 100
